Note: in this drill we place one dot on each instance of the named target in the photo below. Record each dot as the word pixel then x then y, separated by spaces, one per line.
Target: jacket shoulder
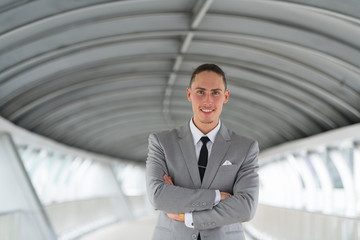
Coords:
pixel 240 139
pixel 167 134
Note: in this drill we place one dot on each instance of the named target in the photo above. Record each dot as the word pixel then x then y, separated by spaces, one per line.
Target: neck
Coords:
pixel 205 128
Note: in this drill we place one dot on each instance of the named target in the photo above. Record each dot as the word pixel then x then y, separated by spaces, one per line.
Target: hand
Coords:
pixel 224 195
pixel 168 179
pixel 177 216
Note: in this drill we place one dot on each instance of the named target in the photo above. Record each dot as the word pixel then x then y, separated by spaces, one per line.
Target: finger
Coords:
pixel 172 216
pixel 168 180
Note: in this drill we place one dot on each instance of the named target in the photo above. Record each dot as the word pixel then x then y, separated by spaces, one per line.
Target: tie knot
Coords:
pixel 204 139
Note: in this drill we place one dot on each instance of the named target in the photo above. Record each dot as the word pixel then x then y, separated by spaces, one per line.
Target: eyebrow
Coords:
pixel 216 89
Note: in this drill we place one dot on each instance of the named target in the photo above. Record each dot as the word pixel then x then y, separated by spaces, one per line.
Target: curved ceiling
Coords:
pixel 102 75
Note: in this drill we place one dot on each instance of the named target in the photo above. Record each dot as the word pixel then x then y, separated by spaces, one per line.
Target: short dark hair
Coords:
pixel 208 67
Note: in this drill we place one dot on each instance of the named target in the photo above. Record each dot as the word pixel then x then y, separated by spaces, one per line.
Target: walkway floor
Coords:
pixel 130 230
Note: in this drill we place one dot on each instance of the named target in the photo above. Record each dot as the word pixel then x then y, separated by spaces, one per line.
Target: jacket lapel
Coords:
pixel 186 143
pixel 218 151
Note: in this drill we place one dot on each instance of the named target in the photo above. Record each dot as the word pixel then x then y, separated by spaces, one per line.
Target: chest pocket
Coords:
pixel 225 178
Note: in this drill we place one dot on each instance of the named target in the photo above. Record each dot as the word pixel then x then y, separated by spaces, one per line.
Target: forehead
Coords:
pixel 208 79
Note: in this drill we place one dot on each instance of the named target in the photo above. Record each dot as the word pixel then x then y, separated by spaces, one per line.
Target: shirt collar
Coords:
pixel 197 134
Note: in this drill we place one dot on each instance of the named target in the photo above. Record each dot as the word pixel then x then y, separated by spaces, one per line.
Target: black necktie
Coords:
pixel 203 158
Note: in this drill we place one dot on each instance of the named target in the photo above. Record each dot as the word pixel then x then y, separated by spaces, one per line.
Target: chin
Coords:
pixel 207 122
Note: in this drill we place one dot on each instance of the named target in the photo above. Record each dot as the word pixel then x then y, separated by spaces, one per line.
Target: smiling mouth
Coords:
pixel 206 110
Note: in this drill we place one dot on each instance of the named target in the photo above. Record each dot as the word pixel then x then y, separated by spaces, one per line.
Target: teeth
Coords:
pixel 205 110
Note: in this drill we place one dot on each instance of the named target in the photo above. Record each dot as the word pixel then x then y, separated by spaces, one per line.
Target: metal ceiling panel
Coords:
pixel 101 75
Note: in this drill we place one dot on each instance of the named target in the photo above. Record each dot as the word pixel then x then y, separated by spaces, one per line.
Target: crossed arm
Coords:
pixel 181 216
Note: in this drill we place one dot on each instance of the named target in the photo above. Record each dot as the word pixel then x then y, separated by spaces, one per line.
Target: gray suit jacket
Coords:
pixel 173 153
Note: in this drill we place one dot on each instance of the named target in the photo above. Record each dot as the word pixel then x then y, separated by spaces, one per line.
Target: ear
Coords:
pixel 188 94
pixel 227 94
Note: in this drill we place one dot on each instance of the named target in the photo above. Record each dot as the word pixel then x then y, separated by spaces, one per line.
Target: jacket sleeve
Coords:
pixel 242 205
pixel 168 198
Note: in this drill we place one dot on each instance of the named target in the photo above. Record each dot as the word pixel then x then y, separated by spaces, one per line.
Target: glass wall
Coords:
pixel 319 180
pixel 71 192
pixel 78 193
pixel 310 188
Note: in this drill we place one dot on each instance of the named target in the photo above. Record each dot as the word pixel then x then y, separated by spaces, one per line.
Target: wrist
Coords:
pixel 189 222
pixel 182 217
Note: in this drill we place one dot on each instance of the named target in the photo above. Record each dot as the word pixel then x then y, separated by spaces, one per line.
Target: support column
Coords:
pixel 347 179
pixel 124 208
pixel 325 180
pixel 18 196
pixel 309 181
pixel 357 175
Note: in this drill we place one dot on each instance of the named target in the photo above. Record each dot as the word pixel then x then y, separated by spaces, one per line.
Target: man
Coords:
pixel 204 187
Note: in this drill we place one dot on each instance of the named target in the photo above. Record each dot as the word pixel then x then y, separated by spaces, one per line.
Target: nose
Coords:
pixel 208 100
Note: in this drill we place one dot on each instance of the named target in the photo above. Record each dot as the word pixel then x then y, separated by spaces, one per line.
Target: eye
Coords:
pixel 200 92
pixel 216 93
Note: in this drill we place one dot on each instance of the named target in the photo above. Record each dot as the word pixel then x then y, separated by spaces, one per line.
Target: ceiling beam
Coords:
pixel 198 16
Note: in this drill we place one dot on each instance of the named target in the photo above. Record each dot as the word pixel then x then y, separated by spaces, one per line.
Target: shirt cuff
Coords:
pixel 188 219
pixel 217 197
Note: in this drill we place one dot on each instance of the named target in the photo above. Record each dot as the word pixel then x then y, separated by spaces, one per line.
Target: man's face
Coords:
pixel 207 95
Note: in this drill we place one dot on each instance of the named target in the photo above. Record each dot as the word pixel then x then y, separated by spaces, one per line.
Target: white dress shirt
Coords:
pixel 197 135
